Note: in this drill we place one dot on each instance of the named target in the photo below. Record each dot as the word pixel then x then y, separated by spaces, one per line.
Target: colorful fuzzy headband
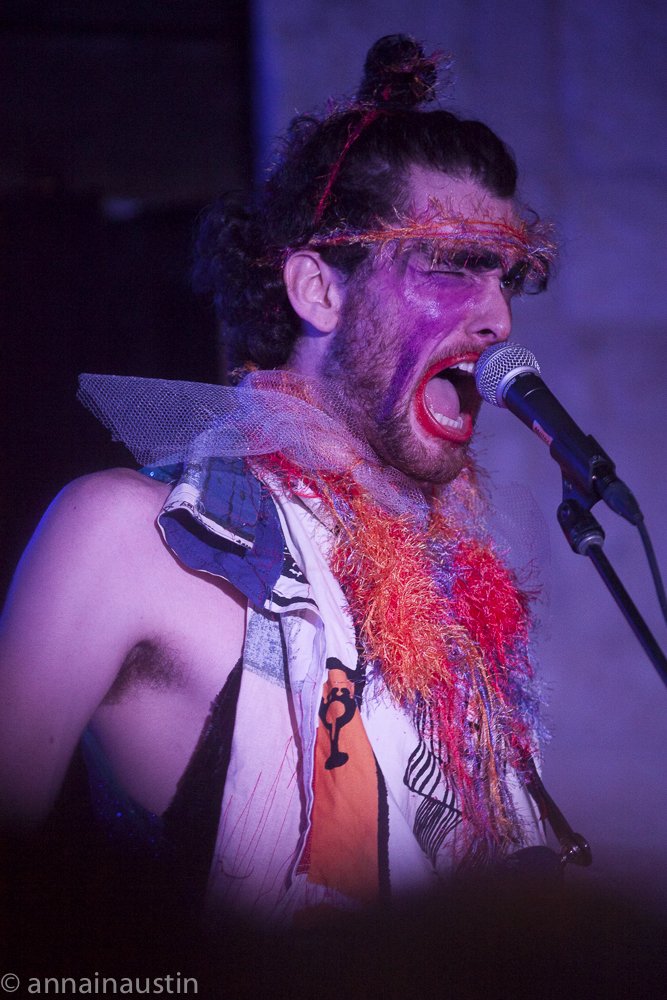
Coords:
pixel 512 239
pixel 447 235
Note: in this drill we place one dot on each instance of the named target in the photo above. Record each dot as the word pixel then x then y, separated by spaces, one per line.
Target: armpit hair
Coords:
pixel 148 664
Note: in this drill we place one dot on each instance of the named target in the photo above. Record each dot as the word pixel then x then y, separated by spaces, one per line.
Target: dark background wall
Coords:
pixel 119 122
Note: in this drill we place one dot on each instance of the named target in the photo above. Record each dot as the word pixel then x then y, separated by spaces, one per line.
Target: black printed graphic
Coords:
pixel 336 710
pixel 437 815
pixel 291 570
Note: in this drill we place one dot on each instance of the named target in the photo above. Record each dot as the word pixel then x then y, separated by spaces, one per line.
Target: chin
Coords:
pixel 442 472
pixel 436 462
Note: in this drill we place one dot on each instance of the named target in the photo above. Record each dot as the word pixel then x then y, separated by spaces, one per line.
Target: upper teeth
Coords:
pixel 465 366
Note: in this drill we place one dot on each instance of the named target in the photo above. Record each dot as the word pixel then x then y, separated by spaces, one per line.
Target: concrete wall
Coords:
pixel 578 90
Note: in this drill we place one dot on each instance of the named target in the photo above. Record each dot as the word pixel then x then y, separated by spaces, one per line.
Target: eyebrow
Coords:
pixel 470 259
pixel 519 269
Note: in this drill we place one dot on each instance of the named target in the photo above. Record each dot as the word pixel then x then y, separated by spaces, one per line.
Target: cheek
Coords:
pixel 425 322
pixel 435 309
pixel 405 365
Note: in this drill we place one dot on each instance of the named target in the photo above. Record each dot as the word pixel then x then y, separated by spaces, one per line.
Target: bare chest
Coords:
pixel 150 722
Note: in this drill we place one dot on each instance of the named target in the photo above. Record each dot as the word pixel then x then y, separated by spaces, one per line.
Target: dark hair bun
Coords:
pixel 397 74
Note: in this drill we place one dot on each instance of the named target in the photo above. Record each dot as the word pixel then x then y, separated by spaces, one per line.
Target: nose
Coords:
pixel 490 319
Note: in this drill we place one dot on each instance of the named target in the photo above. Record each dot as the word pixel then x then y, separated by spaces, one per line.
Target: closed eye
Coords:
pixel 515 279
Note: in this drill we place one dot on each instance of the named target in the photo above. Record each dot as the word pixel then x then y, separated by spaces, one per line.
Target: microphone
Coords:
pixel 508 375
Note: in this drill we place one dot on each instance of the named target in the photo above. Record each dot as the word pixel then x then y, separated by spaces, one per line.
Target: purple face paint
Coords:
pixel 436 294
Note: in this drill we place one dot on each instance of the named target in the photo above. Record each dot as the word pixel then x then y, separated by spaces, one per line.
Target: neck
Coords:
pixel 308 353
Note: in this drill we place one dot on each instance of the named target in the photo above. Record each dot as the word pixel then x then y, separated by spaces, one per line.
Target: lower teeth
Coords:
pixel 448 422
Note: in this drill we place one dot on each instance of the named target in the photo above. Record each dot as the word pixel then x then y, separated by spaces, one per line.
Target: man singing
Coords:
pixel 294 659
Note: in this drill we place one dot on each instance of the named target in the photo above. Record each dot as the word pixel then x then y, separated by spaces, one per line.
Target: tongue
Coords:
pixel 441 397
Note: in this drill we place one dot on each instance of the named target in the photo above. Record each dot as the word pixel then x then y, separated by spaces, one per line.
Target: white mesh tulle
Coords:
pixel 311 423
pixel 307 420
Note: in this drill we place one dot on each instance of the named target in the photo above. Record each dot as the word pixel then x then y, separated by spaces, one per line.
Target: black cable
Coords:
pixel 655 569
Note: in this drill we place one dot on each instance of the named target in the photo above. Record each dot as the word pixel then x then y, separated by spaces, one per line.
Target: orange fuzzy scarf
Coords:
pixel 442 619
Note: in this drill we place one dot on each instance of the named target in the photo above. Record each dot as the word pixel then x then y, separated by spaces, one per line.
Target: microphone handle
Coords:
pixel 583 462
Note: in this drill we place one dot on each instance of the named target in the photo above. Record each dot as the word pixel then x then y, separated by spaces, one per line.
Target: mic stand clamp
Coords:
pixel 579 526
pixel 586 538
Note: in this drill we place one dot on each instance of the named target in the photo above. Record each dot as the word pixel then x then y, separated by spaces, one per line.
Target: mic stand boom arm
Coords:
pixel 586 537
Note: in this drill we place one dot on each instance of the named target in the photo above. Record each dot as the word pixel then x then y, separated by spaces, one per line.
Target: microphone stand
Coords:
pixel 586 537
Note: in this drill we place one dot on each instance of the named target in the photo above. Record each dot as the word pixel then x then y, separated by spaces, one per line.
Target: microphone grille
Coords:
pixel 496 364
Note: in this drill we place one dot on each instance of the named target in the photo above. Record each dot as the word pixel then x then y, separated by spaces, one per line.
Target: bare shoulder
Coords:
pixel 98 553
pixel 114 492
pixel 113 505
pixel 92 534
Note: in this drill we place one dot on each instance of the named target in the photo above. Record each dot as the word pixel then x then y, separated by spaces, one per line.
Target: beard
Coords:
pixel 374 366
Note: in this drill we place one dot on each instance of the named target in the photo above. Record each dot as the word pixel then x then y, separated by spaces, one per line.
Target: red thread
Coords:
pixel 352 136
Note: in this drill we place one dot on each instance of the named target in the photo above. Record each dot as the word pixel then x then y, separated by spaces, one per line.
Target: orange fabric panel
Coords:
pixel 343 842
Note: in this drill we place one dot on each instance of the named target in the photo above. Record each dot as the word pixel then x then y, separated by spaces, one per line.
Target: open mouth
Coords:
pixel 447 398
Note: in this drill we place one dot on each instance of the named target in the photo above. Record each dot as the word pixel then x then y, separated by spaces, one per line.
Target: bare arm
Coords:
pixel 77 605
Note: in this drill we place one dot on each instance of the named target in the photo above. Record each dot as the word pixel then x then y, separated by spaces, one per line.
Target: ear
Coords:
pixel 314 289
